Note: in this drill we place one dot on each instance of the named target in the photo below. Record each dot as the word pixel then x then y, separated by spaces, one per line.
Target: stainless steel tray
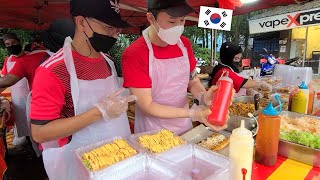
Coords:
pixel 200 133
pixel 250 123
pixel 234 121
pixel 299 152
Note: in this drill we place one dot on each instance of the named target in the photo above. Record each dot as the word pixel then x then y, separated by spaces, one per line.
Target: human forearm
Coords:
pixel 61 128
pixel 151 108
pixel 196 88
pixel 250 84
pixel 162 111
pixel 8 80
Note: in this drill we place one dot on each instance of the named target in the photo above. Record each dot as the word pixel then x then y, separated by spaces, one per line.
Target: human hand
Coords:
pixel 264 86
pixel 113 105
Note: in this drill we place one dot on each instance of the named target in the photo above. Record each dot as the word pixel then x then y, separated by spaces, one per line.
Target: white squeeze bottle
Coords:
pixel 241 153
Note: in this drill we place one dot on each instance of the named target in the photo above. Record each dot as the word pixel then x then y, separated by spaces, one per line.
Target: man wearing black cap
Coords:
pixel 159 68
pixel 76 99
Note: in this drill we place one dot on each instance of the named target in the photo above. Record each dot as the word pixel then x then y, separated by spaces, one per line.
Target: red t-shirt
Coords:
pixel 4 67
pixel 26 66
pixel 51 95
pixel 4 70
pixel 135 61
pixel 238 81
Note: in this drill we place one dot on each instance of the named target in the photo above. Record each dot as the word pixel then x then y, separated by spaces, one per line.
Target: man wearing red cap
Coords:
pixel 76 99
pixel 159 68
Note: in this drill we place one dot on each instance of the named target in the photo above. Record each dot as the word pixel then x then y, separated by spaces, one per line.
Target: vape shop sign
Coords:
pixel 285 21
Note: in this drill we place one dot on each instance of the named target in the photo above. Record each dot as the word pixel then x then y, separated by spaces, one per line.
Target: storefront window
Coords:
pixel 305 43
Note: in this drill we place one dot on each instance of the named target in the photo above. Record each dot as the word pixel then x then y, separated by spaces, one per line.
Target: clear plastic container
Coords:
pixel 143 167
pixel 199 163
pixel 134 139
pixel 87 173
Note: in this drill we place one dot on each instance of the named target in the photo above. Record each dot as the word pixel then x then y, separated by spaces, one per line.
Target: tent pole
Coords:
pixel 215 43
pixel 305 47
pixel 212 47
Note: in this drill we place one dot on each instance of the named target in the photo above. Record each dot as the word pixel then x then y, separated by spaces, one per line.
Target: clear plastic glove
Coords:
pixel 252 92
pixel 114 105
pixel 201 113
pixel 265 86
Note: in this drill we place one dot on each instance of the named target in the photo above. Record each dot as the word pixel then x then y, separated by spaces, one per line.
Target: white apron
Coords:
pixel 61 163
pixel 170 79
pixel 19 93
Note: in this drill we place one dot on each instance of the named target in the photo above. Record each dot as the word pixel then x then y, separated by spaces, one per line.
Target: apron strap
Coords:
pixel 112 66
pixel 151 54
pixel 68 59
pixel 8 62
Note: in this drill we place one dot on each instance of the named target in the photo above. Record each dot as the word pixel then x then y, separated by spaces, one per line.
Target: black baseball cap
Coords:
pixel 53 38
pixel 175 8
pixel 107 11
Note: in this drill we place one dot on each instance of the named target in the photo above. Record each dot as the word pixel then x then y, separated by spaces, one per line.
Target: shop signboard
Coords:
pixel 285 21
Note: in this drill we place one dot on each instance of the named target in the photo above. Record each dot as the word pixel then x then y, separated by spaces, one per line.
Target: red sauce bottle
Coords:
pixel 221 100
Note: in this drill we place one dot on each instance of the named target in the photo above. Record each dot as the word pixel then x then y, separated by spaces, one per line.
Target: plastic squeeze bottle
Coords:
pixel 294 91
pixel 311 100
pixel 241 153
pixel 267 139
pixel 304 88
pixel 299 103
pixel 221 100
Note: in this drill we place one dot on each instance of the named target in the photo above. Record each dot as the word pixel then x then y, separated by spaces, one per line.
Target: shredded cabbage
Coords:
pixel 303 138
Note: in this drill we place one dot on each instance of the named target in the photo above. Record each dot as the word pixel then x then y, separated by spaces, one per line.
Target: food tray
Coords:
pixel 234 121
pixel 94 174
pixel 135 140
pixel 143 167
pixel 200 133
pixel 299 152
pixel 199 163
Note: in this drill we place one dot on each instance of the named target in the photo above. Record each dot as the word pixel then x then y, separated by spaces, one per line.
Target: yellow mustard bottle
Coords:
pixel 299 103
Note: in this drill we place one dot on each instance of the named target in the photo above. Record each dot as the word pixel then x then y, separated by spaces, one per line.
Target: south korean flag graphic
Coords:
pixel 215 18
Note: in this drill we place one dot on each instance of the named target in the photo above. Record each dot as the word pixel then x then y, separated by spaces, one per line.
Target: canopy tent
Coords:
pixel 38 14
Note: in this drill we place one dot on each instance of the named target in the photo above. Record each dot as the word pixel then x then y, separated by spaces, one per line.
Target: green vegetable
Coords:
pixel 304 138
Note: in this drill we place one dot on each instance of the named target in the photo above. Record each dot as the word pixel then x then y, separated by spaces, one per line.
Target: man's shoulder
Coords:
pixel 185 40
pixel 137 46
pixel 54 62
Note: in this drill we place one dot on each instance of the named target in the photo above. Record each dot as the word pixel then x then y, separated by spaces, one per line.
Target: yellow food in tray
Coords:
pixel 160 142
pixel 107 155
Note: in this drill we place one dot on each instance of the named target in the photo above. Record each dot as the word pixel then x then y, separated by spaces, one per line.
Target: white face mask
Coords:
pixel 171 35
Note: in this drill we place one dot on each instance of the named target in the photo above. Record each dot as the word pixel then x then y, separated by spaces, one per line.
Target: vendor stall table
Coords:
pixel 284 169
